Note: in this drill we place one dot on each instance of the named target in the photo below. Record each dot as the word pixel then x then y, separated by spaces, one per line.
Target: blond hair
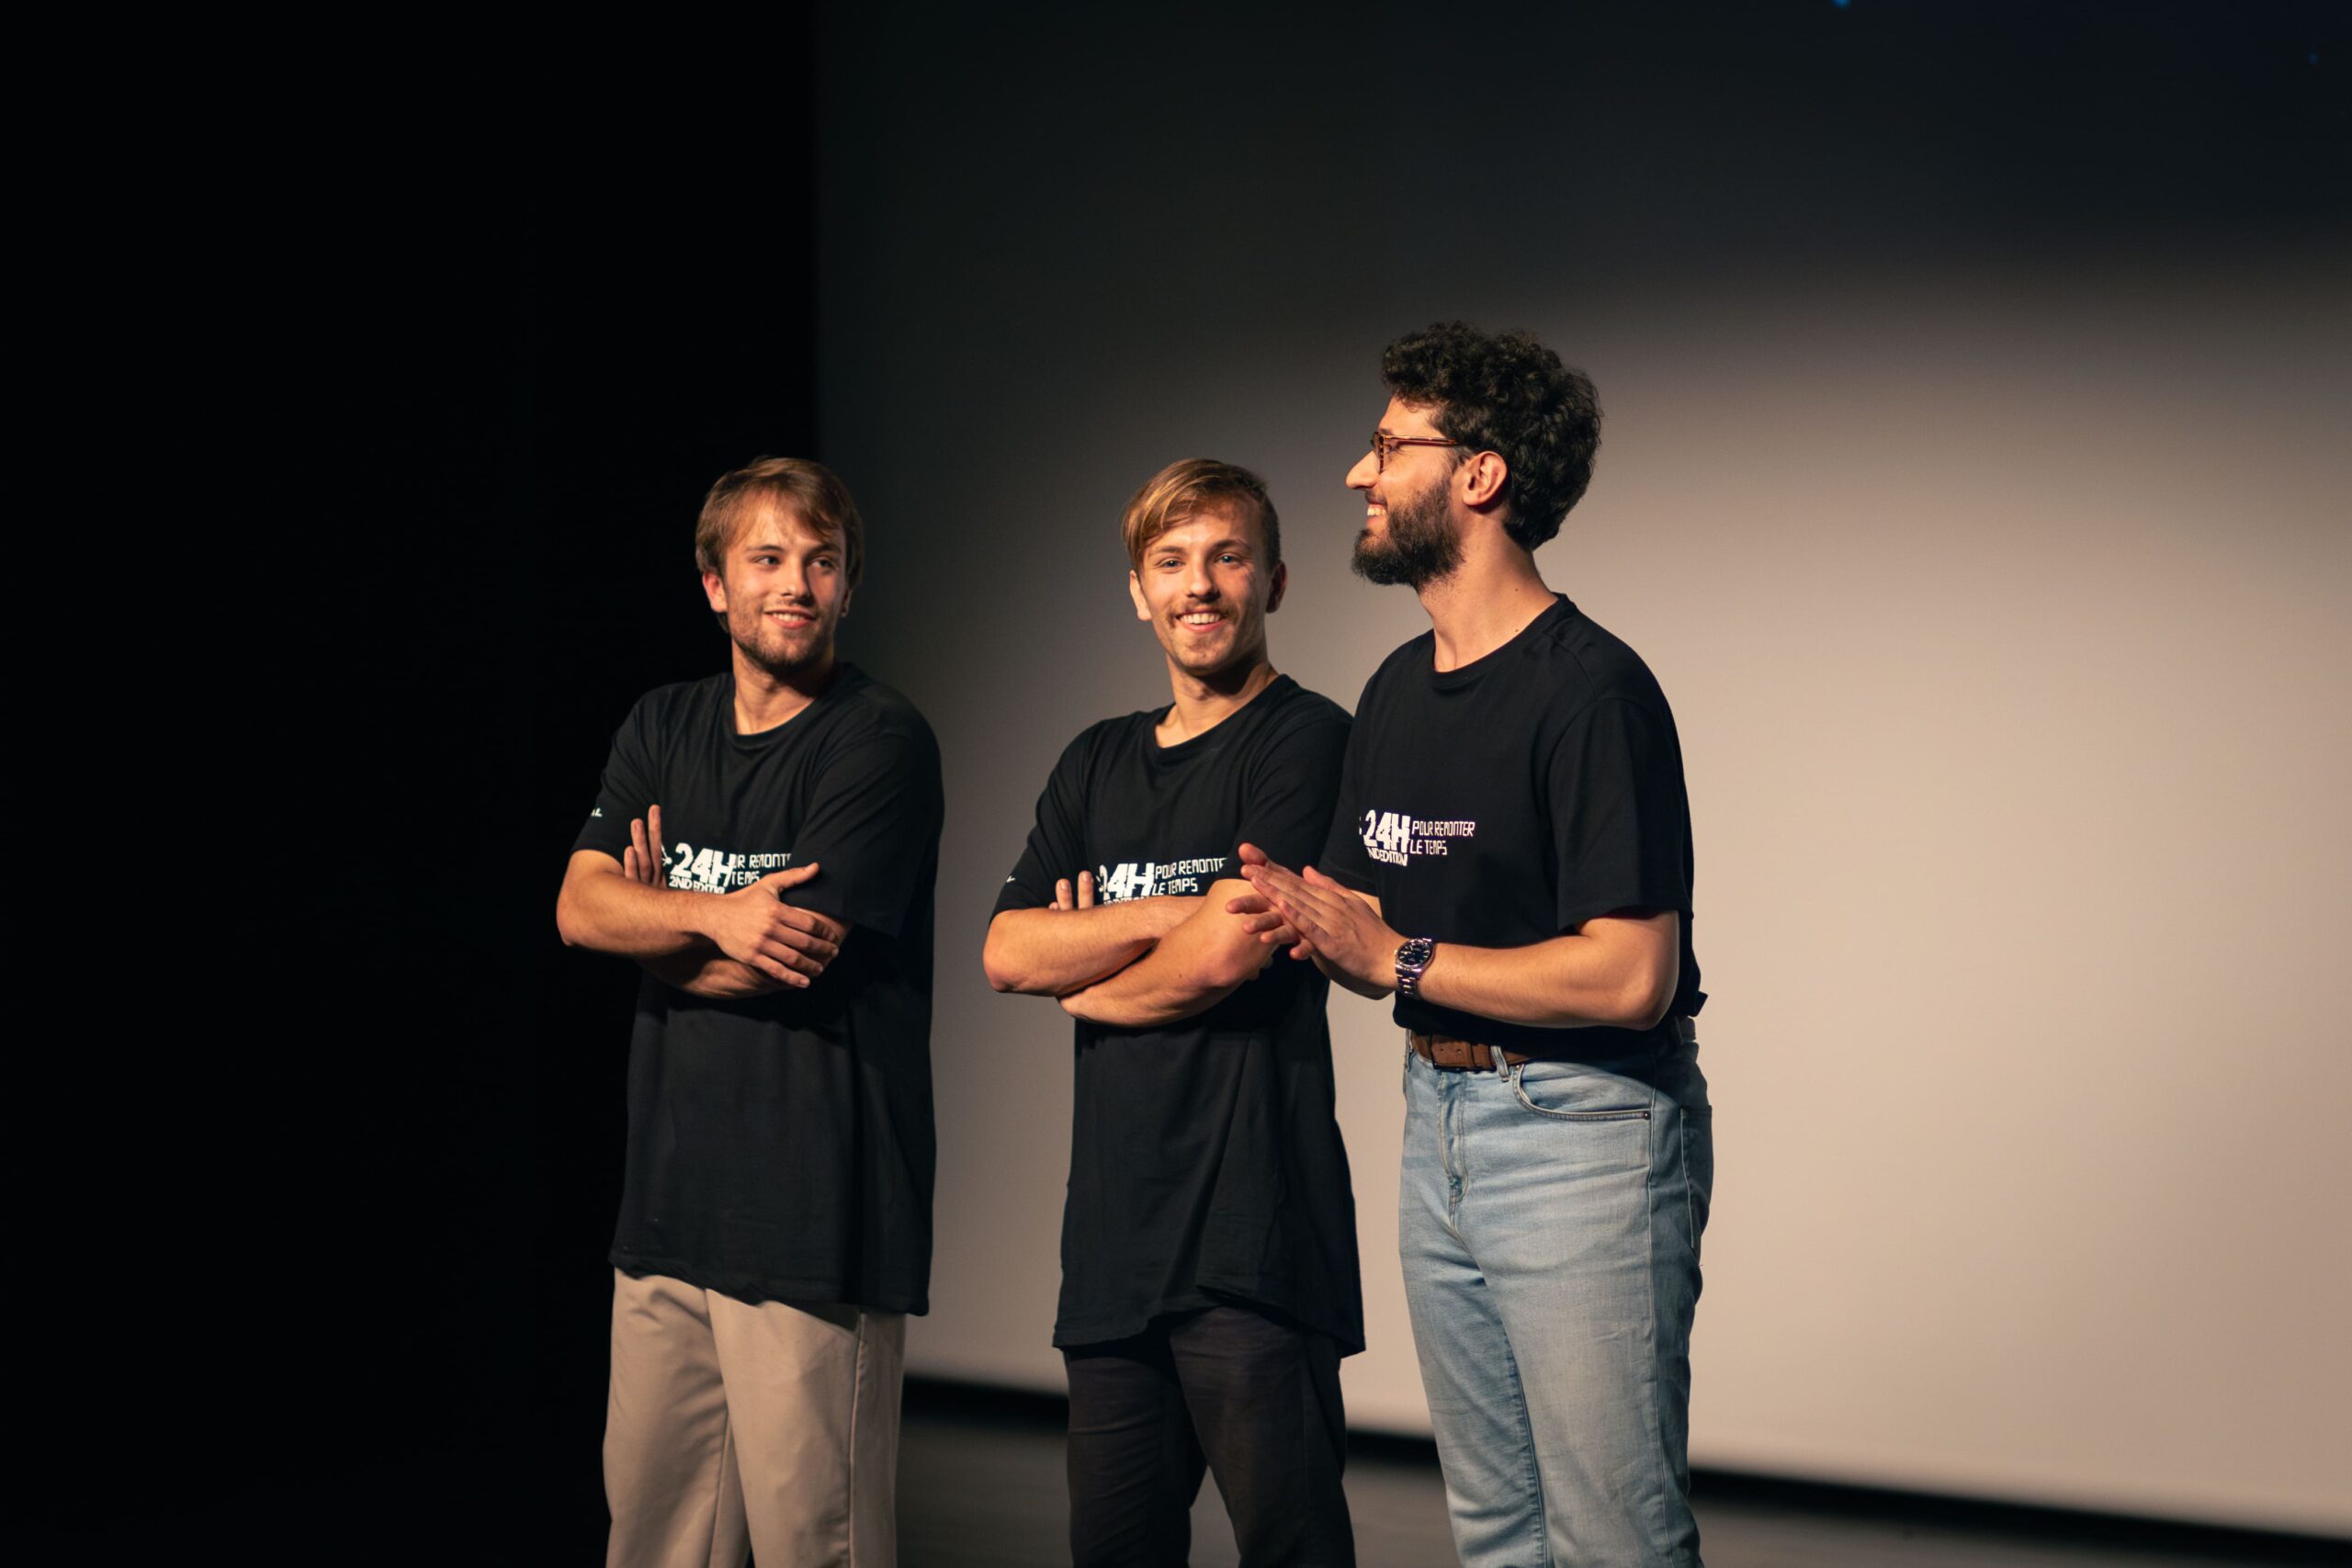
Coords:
pixel 1174 495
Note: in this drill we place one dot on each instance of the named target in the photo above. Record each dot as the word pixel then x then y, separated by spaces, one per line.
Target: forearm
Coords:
pixel 702 970
pixel 1194 967
pixel 1156 990
pixel 607 912
pixel 1049 952
pixel 1567 982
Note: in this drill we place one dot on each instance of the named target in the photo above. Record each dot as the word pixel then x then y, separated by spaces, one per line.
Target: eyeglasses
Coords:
pixel 1383 446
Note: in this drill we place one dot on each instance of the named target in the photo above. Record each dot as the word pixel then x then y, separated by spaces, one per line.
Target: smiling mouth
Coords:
pixel 1199 620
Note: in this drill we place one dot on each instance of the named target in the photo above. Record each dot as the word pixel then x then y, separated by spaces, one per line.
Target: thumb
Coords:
pixel 1252 855
pixel 1318 879
pixel 793 877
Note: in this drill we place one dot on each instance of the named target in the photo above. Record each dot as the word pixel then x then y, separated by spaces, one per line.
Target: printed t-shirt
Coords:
pixel 780 1147
pixel 1205 1160
pixel 1509 801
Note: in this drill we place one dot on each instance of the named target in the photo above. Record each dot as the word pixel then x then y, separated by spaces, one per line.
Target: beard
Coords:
pixel 1421 544
pixel 783 658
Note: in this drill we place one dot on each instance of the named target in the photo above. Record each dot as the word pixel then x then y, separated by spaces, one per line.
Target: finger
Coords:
pixel 1252 855
pixel 797 917
pixel 636 844
pixel 775 971
pixel 1319 880
pixel 1062 899
pixel 791 876
pixel 823 949
pixel 1086 890
pixel 631 867
pixel 1302 951
pixel 1246 904
pixel 792 958
pixel 653 833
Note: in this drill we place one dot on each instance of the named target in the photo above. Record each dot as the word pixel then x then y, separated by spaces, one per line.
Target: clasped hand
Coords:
pixel 1334 926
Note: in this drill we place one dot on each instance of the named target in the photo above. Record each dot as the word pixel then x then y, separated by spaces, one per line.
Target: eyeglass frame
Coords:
pixel 1384 444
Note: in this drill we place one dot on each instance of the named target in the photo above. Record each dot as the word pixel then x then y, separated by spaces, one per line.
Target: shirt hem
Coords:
pixel 753 1290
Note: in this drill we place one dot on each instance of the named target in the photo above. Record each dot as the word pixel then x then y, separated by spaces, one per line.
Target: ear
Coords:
pixel 1282 582
pixel 847 595
pixel 1482 478
pixel 1135 592
pixel 714 588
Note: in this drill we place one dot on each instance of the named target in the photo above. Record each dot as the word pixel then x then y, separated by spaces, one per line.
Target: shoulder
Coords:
pixel 1579 662
pixel 1299 717
pixel 666 710
pixel 1110 737
pixel 866 709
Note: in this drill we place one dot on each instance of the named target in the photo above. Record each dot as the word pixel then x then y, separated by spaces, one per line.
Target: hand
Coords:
pixel 1085 898
pixel 784 941
pixel 1334 926
pixel 641 862
pixel 1262 919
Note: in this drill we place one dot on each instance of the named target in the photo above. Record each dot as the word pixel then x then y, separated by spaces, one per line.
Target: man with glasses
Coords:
pixel 1209 1283
pixel 1510 860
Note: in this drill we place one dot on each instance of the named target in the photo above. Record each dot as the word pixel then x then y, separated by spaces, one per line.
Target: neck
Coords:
pixel 765 698
pixel 1204 701
pixel 1485 601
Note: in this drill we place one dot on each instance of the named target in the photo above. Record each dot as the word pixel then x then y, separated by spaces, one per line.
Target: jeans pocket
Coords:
pixel 1571 1093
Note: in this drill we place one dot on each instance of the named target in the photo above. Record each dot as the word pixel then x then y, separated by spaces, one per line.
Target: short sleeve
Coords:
pixel 1621 820
pixel 872 827
pixel 1056 846
pixel 626 789
pixel 1286 810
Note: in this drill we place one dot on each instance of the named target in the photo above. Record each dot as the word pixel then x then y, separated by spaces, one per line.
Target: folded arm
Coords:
pixel 1195 966
pixel 734 944
pixel 1076 941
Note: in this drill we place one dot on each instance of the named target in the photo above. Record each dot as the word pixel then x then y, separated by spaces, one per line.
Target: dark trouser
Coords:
pixel 1251 1398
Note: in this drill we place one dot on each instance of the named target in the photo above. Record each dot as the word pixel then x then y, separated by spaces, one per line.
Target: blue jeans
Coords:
pixel 1549 1224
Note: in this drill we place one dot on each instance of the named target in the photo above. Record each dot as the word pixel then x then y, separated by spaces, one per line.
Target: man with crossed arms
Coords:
pixel 1209 1283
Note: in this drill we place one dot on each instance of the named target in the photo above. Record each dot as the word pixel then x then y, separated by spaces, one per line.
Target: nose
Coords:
pixel 1199 583
pixel 1365 472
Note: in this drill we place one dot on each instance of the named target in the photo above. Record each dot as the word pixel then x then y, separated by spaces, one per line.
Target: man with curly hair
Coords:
pixel 1510 859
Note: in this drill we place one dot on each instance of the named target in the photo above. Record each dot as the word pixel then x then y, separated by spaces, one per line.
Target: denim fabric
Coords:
pixel 1549 1224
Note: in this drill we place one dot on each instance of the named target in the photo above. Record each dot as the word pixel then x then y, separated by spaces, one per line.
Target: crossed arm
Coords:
pixel 727 945
pixel 1617 970
pixel 1138 964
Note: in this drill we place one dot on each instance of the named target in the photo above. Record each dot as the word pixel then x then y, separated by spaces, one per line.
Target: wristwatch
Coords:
pixel 1411 959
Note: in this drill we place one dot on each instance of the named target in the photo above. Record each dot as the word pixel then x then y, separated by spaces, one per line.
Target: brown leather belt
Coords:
pixel 1462 1056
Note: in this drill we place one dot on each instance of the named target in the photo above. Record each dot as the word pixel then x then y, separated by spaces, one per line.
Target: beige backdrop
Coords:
pixel 2001 593
pixel 2007 630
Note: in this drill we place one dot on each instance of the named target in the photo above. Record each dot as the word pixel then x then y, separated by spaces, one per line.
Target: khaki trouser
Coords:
pixel 770 1428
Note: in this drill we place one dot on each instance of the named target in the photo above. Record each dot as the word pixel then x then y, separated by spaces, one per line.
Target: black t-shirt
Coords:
pixel 1206 1161
pixel 780 1147
pixel 1509 801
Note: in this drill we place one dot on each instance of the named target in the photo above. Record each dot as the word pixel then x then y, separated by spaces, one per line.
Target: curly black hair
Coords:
pixel 1506 394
